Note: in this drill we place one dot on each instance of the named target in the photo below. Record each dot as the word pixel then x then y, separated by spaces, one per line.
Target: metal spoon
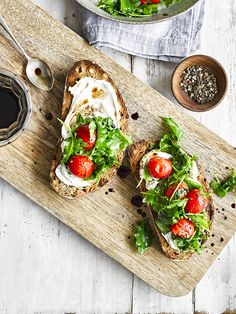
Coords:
pixel 37 71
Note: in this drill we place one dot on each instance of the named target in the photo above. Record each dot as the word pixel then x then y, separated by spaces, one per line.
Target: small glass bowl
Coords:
pixel 9 80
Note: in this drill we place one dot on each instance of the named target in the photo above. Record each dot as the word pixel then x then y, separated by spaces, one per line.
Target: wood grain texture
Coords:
pixel 42 156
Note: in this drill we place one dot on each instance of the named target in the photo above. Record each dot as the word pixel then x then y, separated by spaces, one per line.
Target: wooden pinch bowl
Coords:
pixel 215 67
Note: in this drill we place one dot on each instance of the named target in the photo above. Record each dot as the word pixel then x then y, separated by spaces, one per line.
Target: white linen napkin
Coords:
pixel 171 40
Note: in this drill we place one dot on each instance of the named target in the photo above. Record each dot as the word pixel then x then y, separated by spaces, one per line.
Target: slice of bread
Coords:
pixel 80 70
pixel 136 152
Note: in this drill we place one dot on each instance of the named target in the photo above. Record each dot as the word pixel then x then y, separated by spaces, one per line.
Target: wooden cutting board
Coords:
pixel 105 220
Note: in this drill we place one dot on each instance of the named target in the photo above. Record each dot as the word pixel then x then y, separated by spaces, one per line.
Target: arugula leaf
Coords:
pixel 110 6
pixel 164 225
pixel 192 184
pixel 92 129
pixel 173 128
pixel 221 188
pixel 143 236
pixel 147 9
pixel 169 2
pixel 74 146
pixel 127 7
pixel 200 220
pixel 170 214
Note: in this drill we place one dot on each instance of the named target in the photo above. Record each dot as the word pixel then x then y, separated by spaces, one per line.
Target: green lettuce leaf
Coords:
pixel 174 129
pixel 222 187
pixel 143 236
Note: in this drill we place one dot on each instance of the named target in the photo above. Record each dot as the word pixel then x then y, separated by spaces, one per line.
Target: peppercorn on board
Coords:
pixel 105 220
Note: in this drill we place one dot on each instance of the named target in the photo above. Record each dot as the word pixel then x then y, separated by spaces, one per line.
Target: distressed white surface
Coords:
pixel 47 268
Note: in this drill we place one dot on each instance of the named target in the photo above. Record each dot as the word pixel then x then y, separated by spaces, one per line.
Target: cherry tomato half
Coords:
pixel 81 166
pixel 184 228
pixel 84 133
pixel 159 167
pixel 182 190
pixel 196 202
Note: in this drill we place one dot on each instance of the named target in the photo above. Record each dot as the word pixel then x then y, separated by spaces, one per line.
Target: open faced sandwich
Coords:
pixel 176 191
pixel 93 133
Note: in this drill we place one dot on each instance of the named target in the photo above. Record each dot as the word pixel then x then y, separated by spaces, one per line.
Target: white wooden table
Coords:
pixel 46 268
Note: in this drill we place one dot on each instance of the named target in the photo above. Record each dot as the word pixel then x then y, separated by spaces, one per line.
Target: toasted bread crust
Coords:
pixel 136 152
pixel 79 70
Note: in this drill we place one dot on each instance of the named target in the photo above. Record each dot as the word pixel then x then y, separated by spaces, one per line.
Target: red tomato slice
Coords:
pixel 184 228
pixel 83 133
pixel 196 202
pixel 159 167
pixel 182 189
pixel 81 166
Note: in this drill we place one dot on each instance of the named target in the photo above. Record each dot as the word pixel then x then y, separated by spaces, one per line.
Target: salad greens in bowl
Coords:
pixel 138 11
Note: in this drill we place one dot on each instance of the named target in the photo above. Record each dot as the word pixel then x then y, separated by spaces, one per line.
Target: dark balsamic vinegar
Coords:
pixel 9 108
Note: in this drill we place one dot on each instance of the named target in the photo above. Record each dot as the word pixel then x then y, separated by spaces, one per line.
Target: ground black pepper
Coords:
pixel 199 83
